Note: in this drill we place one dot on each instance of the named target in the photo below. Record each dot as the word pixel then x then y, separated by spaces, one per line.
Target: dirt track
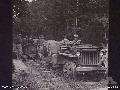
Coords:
pixel 38 77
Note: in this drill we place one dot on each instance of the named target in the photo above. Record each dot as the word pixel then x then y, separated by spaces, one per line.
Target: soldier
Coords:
pixel 30 40
pixel 35 40
pixel 76 41
pixel 104 59
pixel 41 40
pixel 25 40
pixel 25 43
pixel 40 46
pixel 65 40
pixel 19 46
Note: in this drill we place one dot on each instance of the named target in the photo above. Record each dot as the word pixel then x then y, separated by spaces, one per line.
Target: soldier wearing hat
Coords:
pixel 75 37
pixel 76 40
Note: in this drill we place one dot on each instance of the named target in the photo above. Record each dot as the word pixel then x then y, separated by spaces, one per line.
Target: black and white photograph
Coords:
pixel 60 44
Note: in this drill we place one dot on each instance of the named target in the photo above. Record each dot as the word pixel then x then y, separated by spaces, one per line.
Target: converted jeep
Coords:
pixel 76 58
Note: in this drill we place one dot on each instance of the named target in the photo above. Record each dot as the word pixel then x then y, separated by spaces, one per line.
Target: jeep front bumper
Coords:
pixel 87 69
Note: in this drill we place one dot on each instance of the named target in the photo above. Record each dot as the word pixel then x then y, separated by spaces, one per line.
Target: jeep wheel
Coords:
pixel 69 69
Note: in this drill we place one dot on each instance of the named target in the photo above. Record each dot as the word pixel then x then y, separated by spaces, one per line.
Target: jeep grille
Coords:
pixel 90 57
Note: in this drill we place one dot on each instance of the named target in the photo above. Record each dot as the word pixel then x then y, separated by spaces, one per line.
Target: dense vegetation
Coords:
pixel 48 17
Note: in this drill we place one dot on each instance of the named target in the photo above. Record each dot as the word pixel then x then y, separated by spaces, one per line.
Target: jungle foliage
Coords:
pixel 48 17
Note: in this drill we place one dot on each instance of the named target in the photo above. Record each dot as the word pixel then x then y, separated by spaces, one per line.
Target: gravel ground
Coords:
pixel 38 77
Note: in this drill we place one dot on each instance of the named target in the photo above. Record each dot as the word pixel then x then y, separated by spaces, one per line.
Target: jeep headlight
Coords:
pixel 78 53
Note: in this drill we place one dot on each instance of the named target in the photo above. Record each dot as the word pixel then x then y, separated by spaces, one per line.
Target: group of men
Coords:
pixel 75 41
pixel 20 44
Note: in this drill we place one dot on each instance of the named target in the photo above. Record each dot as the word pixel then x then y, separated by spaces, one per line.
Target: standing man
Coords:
pixel 35 40
pixel 30 40
pixel 19 46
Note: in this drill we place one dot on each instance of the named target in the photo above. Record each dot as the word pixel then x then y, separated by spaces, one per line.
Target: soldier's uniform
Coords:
pixel 30 40
pixel 19 47
pixel 35 41
pixel 76 41
pixel 65 41
pixel 104 59
pixel 41 40
pixel 40 46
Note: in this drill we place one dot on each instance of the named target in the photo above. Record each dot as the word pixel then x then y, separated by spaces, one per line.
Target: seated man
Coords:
pixel 76 41
pixel 65 41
